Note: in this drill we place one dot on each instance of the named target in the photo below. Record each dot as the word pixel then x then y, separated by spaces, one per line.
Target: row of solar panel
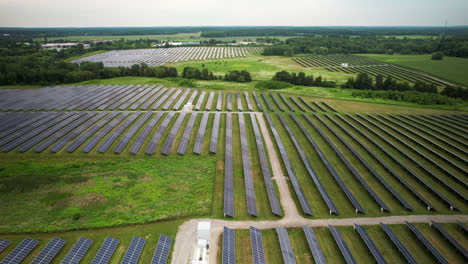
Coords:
pixel 382 120
pixel 258 253
pixel 57 130
pixel 80 248
pixel 146 97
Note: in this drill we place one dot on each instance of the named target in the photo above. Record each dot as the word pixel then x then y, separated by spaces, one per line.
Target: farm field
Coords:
pixel 450 68
pixel 301 253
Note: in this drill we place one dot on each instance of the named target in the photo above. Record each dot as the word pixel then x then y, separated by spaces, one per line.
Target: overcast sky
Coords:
pixel 130 13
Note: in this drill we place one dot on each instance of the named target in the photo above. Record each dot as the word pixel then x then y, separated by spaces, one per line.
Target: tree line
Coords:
pixel 450 46
pixel 302 79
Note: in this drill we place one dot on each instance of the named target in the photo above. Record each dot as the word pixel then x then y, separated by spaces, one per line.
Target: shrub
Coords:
pixel 272 85
pixel 437 55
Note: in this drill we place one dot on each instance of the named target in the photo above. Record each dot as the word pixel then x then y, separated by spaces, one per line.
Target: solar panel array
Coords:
pixel 132 255
pixel 20 251
pixel 266 172
pixel 215 133
pixel 314 246
pixel 289 169
pixel 258 254
pixel 160 56
pixel 228 170
pixel 229 246
pixel 78 251
pixel 4 244
pixel 370 244
pixel 248 180
pixel 106 251
pixel 450 238
pixel 161 253
pixel 426 243
pixel 344 249
pixel 398 244
pixel 186 135
pixel 51 250
pixel 173 133
pixel 285 245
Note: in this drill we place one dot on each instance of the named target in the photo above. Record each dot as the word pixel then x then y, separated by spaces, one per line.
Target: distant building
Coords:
pixel 241 43
pixel 163 44
pixel 61 46
pixel 101 40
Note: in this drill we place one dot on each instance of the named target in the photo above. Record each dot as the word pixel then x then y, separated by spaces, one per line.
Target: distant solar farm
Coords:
pixel 158 57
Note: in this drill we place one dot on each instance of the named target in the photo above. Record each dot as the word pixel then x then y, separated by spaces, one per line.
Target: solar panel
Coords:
pixel 201 134
pixel 200 101
pixel 4 244
pixel 286 102
pixel 21 122
pixel 398 244
pixel 130 133
pixel 78 251
pixel 163 98
pixel 133 99
pixel 215 133
pixel 450 238
pixel 297 104
pixel 410 171
pixel 49 252
pixel 426 243
pixel 159 133
pixel 134 251
pixel 229 246
pixel 181 100
pixel 20 252
pixel 115 134
pixel 145 133
pixel 228 170
pixel 307 104
pixel 186 135
pixel 355 173
pixel 329 106
pixel 106 251
pixel 116 98
pixel 461 225
pixel 415 161
pixel 219 102
pixel 266 172
pixel 314 246
pixel 289 169
pixel 239 102
pixel 248 181
pixel 285 245
pixel 161 253
pixel 145 98
pixel 319 107
pixel 247 99
pixel 370 244
pixel 87 134
pixel 363 161
pixel 258 255
pixel 344 249
pixel 192 97
pixel 166 149
pixel 270 107
pixel 171 100
pixel 209 103
pixel 277 102
pixel 423 146
pixel 229 101
pixel 258 101
pixel 153 99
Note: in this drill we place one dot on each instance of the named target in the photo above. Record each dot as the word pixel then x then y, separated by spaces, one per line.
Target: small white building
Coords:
pixel 163 44
pixel 201 252
pixel 344 64
pixel 61 46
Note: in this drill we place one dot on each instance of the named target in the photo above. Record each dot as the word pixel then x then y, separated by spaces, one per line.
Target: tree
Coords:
pixel 437 55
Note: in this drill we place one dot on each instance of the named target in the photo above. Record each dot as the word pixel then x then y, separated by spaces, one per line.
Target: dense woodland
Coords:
pixel 450 46
pixel 211 32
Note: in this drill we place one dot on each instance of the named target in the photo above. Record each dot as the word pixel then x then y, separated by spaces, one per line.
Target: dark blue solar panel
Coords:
pixel 4 244
pixel 161 253
pixel 403 250
pixel 344 249
pixel 78 251
pixel 314 246
pixel 258 254
pixel 20 252
pixel 285 245
pixel 450 238
pixel 50 251
pixel 134 251
pixel 370 244
pixel 229 246
pixel 426 243
pixel 106 251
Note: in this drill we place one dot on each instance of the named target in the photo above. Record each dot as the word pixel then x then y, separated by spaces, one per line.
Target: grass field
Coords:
pixel 450 68
pixel 67 192
pixel 357 247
